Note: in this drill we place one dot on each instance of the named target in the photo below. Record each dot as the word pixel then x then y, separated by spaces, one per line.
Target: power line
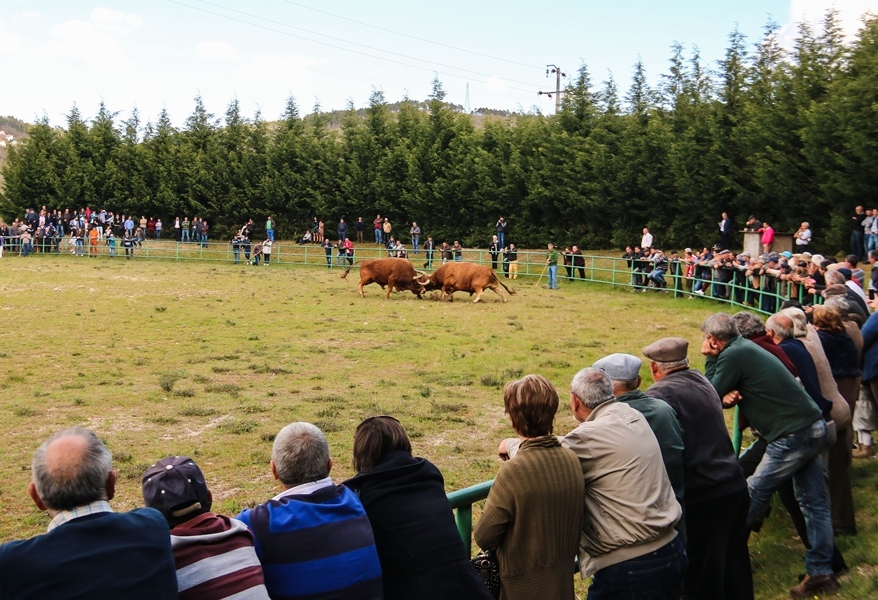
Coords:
pixel 414 37
pixel 287 25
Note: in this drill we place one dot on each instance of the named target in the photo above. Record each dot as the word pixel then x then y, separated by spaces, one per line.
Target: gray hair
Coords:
pixel 781 330
pixel 748 324
pixel 834 278
pixel 68 487
pixel 593 387
pixel 664 367
pixel 721 326
pixel 300 454
pixel 800 321
pixel 841 304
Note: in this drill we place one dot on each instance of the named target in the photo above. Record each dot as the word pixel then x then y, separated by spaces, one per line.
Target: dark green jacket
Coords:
pixel 773 401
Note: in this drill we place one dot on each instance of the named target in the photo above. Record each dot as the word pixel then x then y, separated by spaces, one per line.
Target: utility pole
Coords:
pixel 558 91
pixel 466 107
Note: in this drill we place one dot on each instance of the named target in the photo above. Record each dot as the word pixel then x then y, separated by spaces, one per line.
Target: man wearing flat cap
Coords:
pixel 624 373
pixel 214 554
pixel 715 489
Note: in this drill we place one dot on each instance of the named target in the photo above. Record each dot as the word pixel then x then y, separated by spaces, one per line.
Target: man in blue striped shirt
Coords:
pixel 313 539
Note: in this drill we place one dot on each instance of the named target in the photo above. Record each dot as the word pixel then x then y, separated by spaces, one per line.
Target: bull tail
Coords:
pixel 348 270
pixel 510 290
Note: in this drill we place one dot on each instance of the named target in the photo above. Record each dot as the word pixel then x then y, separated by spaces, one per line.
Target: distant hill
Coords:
pixel 11 126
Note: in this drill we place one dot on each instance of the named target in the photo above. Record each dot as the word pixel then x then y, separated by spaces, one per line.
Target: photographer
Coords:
pixel 236 248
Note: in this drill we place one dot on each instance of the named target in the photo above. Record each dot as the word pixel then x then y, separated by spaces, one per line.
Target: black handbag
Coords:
pixel 486 566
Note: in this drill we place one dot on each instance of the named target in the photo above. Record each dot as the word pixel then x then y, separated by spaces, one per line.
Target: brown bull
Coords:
pixel 466 277
pixel 390 272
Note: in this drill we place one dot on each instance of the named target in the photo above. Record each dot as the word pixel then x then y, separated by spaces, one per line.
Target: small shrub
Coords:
pixel 217 369
pixel 15 378
pixel 510 373
pixel 161 308
pixel 197 411
pixel 224 388
pixel 187 393
pixel 25 411
pixel 268 437
pixel 491 380
pixel 238 427
pixel 163 420
pixel 167 380
pixel 122 457
pixel 327 426
pixel 253 337
pixel 201 379
pixel 252 409
pixel 426 392
pixel 456 407
pixel 79 402
pixel 72 386
pixel 328 412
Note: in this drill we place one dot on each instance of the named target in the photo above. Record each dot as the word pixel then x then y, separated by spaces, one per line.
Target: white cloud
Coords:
pixel 223 51
pixel 27 16
pixel 105 18
pixel 286 69
pixel 850 13
pixel 95 42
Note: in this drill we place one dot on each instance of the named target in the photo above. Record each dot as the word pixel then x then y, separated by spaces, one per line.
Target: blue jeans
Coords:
pixel 873 242
pixel 378 236
pixel 236 253
pixel 553 277
pixel 798 455
pixel 184 235
pixel 501 237
pixel 654 576
pixel 657 277
pixel 415 242
pixel 270 234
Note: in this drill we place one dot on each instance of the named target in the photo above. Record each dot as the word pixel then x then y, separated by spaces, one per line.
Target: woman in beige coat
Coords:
pixel 533 515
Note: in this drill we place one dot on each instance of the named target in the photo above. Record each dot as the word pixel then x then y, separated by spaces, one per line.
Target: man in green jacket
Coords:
pixel 781 410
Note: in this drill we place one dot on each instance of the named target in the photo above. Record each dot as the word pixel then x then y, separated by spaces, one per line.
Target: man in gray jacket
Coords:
pixel 630 509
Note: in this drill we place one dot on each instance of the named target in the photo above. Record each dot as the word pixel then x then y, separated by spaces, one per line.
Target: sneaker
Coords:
pixel 815 584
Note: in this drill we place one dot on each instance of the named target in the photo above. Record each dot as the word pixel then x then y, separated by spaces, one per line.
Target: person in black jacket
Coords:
pixel 421 553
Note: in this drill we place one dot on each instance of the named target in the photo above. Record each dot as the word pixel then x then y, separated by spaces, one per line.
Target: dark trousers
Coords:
pixel 857 248
pixel 653 576
pixel 719 560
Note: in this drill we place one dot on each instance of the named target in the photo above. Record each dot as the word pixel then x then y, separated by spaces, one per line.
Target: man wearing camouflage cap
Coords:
pixel 715 489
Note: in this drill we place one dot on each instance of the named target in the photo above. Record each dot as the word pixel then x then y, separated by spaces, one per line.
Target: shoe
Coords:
pixel 699 292
pixel 815 584
pixel 863 451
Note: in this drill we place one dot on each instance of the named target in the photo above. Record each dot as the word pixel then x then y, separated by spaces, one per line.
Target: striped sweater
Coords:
pixel 215 559
pixel 315 543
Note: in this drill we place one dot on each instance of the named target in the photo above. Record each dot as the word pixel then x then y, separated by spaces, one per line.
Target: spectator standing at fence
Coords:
pixel 803 237
pixel 629 510
pixel 494 249
pixel 88 551
pixel 458 251
pixel 204 229
pixel 578 261
pixel 214 555
pixel 714 486
pixel 158 229
pixel 767 237
pixel 415 232
pixel 857 234
pixel 266 251
pixel 429 248
pixel 725 231
pixel 143 222
pixel 128 244
pixel 533 514
pixel 150 227
pixel 183 229
pixel 93 241
pixel 349 250
pixel 177 233
pixel 327 249
pixel 360 227
pixel 785 415
pixel 378 229
pixel 313 517
pixel 342 230
pixel 387 228
pixel 659 267
pixel 512 259
pixel 567 259
pixel 421 553
pixel 129 225
pixel 111 242
pixel 552 266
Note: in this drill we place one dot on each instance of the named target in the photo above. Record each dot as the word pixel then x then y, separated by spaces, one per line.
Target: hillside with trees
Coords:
pixel 785 135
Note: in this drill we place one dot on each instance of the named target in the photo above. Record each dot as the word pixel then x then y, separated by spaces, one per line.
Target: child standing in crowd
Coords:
pixel 93 242
pixel 128 244
pixel 158 229
pixel 111 242
pixel 266 250
pixel 327 248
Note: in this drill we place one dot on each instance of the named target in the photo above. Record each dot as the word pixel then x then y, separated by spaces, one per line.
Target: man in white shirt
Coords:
pixel 646 240
pixel 803 237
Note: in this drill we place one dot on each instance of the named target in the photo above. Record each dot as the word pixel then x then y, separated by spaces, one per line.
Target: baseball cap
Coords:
pixel 175 487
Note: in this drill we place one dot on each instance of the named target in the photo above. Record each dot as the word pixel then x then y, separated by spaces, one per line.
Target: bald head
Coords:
pixel 71 469
pixel 780 327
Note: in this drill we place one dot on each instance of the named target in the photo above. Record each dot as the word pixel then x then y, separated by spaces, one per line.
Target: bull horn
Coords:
pixel 421 273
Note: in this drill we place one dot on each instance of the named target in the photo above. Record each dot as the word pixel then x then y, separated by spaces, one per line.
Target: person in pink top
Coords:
pixel 767 237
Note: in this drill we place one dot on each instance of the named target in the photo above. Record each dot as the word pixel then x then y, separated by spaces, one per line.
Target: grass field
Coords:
pixel 211 360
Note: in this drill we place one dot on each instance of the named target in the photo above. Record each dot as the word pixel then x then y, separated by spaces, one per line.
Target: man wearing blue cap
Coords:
pixel 624 373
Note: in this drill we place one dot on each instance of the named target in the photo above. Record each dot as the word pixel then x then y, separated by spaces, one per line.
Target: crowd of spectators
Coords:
pixel 87 229
pixel 647 490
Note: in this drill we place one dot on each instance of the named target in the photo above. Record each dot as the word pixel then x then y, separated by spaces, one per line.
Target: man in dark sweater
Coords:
pixel 779 408
pixel 715 489
pixel 89 551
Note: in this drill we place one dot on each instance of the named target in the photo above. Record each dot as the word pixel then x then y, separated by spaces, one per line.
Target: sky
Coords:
pixel 164 53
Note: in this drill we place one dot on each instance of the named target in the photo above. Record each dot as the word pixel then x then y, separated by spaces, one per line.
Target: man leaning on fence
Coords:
pixel 88 551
